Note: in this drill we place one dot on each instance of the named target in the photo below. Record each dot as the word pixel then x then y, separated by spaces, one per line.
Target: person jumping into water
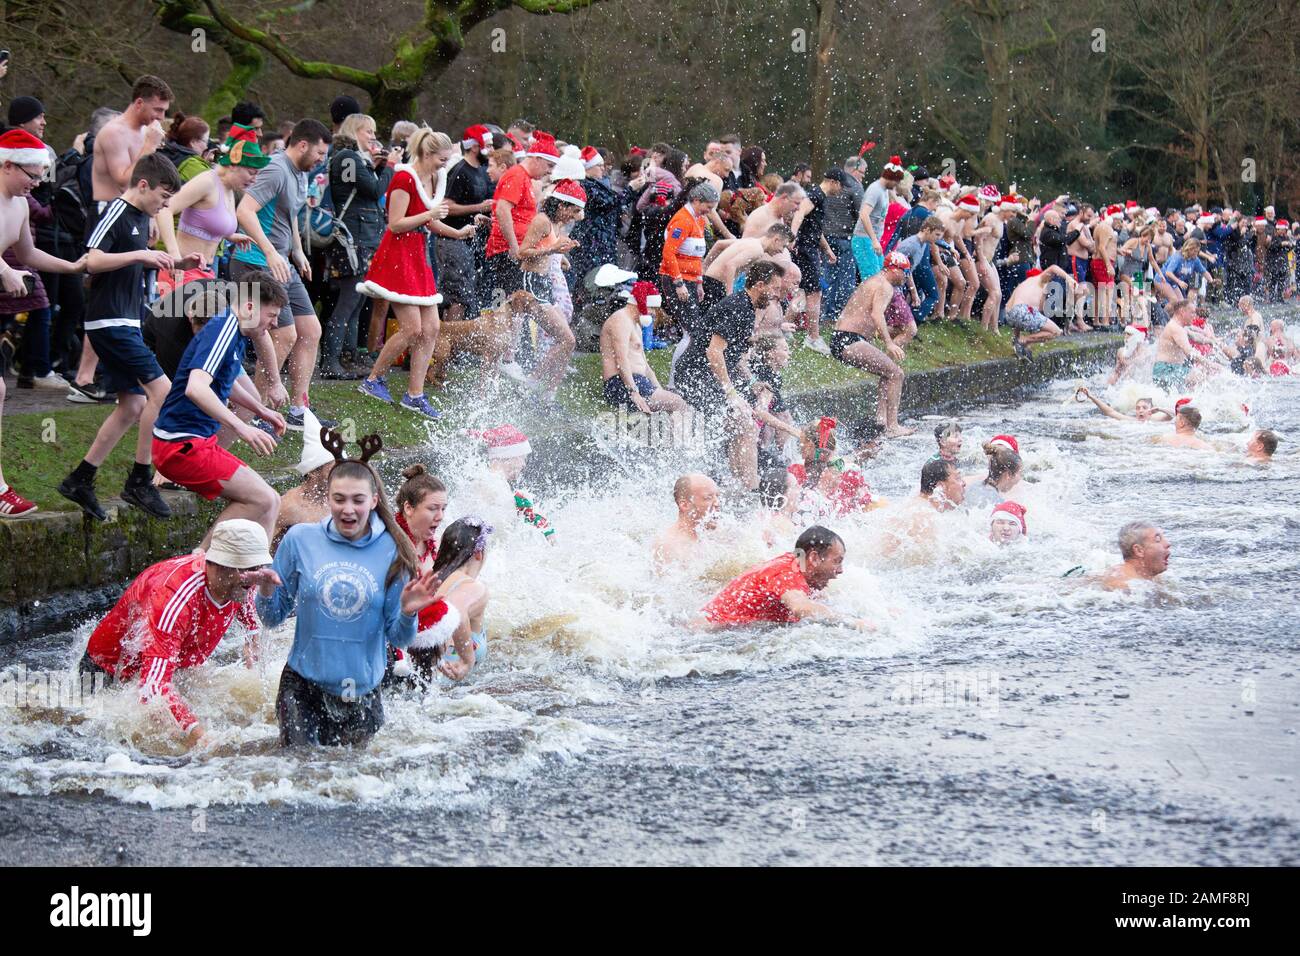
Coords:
pixel 696 497
pixel 1145 551
pixel 176 613
pixel 780 591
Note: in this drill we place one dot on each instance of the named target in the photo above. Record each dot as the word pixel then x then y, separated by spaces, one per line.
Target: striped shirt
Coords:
pixel 117 297
pixel 218 350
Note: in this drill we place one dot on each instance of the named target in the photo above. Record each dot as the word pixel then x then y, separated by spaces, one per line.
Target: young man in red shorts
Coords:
pixel 185 435
pixel 779 592
pixel 176 613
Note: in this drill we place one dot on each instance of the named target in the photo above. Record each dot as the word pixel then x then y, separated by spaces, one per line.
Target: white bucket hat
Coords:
pixel 239 543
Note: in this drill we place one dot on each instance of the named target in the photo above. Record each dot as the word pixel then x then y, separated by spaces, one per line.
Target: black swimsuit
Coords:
pixel 841 340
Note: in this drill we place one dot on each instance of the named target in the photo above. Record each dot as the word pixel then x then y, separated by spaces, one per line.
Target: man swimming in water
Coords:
pixel 862 319
pixel 1186 421
pixel 1262 445
pixel 1007 523
pixel 1144 411
pixel 1175 356
pixel 942 489
pixel 1145 551
pixel 696 497
pixel 780 590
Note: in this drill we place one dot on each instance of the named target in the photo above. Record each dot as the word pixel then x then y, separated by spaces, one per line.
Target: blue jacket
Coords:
pixel 345 613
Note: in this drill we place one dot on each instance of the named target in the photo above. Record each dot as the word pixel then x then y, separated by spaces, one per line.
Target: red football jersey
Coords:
pixel 165 620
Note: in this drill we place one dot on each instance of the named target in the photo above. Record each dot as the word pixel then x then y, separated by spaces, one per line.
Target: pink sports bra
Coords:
pixel 210 224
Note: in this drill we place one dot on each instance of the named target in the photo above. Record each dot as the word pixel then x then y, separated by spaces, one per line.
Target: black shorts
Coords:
pixel 456 274
pixel 840 340
pixel 617 395
pixel 125 362
pixel 809 262
pixel 686 314
pixel 309 714
pixel 504 278
pixel 538 285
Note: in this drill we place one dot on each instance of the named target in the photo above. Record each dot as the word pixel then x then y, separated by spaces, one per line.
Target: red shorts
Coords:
pixel 197 464
pixel 1100 272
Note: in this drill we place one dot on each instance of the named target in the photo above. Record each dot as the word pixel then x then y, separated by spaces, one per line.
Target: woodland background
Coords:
pixel 1169 101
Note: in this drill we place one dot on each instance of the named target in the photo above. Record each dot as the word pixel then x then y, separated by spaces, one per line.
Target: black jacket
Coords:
pixel 351 172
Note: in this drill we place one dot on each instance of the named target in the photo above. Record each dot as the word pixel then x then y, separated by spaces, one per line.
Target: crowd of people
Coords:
pixel 230 268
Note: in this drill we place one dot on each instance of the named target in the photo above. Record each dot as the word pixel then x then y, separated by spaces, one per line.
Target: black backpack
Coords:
pixel 70 202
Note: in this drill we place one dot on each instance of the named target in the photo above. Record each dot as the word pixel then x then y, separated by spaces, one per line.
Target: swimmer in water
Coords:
pixel 1262 445
pixel 176 613
pixel 780 591
pixel 696 497
pixel 780 494
pixel 507 452
pixel 1007 523
pixel 1133 357
pixel 457 641
pixel 948 437
pixel 1186 421
pixel 942 489
pixel 1144 411
pixel 1005 471
pixel 1175 358
pixel 1145 551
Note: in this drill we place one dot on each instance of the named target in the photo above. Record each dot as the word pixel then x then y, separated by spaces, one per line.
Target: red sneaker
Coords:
pixel 14 505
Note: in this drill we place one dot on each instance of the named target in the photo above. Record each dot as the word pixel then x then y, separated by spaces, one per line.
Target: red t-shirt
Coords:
pixel 165 620
pixel 756 595
pixel 516 187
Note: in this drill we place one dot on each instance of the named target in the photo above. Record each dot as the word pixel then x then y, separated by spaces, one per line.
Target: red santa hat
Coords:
pixel 504 441
pixel 947 182
pixel 516 146
pixel 1131 204
pixel 1009 201
pixel 1136 330
pixel 1283 224
pixel 591 157
pixel 896 260
pixel 1152 212
pixel 647 297
pixel 1006 441
pixel 969 202
pixel 1258 219
pixel 1181 402
pixel 1010 510
pixel 479 136
pixel 23 149
pixel 542 146
pixel 1206 220
pixel 1033 272
pixel 1114 211
pixel 990 193
pixel 566 190
pixel 895 165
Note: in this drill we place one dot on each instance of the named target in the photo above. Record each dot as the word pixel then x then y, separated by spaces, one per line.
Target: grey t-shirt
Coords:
pixel 877 197
pixel 914 249
pixel 983 496
pixel 281 190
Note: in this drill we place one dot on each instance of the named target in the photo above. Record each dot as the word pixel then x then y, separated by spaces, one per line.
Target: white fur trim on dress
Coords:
pixel 376 291
pixel 25 157
pixel 441 632
pixel 438 190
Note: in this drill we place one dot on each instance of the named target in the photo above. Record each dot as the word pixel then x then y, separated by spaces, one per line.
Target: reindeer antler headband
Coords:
pixel 336 446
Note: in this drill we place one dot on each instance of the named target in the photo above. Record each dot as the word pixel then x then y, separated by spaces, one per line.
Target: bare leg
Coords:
pixel 906 335
pixel 550 370
pixel 302 359
pixel 378 325
pixel 972 286
pixel 867 357
pixel 1050 330
pixel 956 291
pixel 813 315
pixel 250 497
pixel 156 393
pixel 283 340
pixel 941 283
pixel 89 361
pixel 422 346
pixel 117 424
pixel 993 293
pixel 742 449
pixel 408 327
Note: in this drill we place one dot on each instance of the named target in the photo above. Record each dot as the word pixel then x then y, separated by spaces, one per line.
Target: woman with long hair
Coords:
pixel 354 582
pixel 1005 471
pixel 458 639
pixel 400 271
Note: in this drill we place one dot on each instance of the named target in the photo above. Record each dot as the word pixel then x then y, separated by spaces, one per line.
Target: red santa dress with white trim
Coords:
pixel 400 270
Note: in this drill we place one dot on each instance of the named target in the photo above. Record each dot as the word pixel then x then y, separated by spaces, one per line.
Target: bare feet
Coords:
pixel 898 431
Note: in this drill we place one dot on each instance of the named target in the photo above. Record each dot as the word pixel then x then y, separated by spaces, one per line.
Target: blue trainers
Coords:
pixel 419 403
pixel 375 388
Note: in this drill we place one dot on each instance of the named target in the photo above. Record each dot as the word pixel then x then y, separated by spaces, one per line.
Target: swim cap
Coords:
pixel 1010 511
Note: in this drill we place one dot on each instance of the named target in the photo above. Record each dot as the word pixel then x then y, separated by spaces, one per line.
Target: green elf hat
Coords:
pixel 241 148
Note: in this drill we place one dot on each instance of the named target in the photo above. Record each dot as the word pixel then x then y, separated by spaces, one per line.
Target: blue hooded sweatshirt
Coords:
pixel 345 614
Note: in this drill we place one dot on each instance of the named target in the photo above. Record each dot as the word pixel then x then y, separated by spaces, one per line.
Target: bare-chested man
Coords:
pixel 963 278
pixel 308 502
pixel 1280 346
pixel 731 257
pixel 1102 268
pixel 1025 313
pixel 864 318
pixel 1080 252
pixel 1186 421
pixel 629 379
pixel 785 203
pixel 1145 551
pixel 1175 356
pixel 987 238
pixel 135 132
pixel 696 497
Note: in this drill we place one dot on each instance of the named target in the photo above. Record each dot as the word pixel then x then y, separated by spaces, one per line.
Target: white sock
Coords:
pixel 297 409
